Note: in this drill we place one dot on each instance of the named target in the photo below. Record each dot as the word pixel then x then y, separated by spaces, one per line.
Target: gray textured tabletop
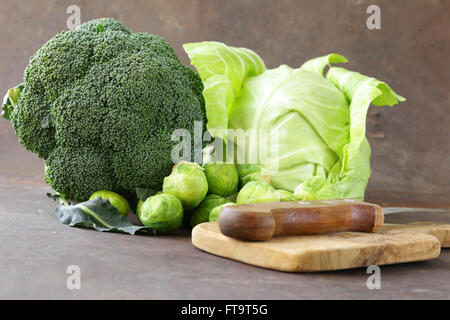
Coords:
pixel 36 249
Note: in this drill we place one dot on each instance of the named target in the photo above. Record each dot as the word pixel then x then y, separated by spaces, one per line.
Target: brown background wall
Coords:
pixel 410 142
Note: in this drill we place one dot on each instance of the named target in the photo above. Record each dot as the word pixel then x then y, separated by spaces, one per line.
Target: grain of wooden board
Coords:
pixel 391 244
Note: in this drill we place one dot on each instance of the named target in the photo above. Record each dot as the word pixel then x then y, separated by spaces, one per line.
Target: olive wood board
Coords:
pixel 393 243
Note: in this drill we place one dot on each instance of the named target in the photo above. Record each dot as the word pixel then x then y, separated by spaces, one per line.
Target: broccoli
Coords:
pixel 99 104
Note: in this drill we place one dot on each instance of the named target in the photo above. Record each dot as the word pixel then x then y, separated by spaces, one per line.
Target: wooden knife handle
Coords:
pixel 263 221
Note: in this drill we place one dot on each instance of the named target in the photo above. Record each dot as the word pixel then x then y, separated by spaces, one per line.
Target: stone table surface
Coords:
pixel 36 249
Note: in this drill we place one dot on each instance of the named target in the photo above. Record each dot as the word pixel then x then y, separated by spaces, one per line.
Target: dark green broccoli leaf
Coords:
pixel 144 193
pixel 96 214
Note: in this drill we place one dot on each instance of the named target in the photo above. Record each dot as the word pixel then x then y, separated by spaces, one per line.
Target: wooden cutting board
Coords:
pixel 345 250
pixel 439 230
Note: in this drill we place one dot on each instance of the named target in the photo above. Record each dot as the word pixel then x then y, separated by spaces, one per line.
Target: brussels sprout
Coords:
pixel 201 213
pixel 286 196
pixel 215 213
pixel 250 172
pixel 188 183
pixel 141 202
pixel 116 200
pixel 223 178
pixel 139 208
pixel 163 213
pixel 316 188
pixel 257 191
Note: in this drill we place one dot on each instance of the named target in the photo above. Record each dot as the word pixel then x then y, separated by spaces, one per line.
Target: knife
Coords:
pixel 262 221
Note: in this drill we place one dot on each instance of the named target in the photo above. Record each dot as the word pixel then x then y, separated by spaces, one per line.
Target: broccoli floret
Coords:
pixel 99 104
pixel 79 172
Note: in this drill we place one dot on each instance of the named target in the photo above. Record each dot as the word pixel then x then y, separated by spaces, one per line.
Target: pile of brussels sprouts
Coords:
pixel 193 194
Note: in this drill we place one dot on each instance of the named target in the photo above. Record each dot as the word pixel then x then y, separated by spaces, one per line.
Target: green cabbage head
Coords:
pixel 319 119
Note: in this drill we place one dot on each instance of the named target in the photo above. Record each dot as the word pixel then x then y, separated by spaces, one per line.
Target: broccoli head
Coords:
pixel 99 104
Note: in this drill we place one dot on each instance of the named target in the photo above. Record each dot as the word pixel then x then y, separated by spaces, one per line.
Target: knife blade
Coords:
pixel 391 210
